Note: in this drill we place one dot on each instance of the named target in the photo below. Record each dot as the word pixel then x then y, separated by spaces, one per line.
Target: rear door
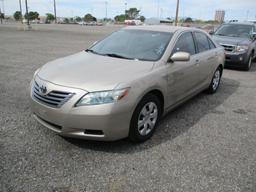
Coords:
pixel 207 53
pixel 183 76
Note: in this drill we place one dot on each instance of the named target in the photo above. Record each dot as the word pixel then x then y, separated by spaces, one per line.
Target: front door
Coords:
pixel 183 76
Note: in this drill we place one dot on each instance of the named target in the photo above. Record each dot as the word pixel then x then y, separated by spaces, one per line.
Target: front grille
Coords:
pixel 229 48
pixel 54 98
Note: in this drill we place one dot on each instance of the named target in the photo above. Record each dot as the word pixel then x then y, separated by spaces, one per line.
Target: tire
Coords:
pixel 249 63
pixel 145 119
pixel 215 83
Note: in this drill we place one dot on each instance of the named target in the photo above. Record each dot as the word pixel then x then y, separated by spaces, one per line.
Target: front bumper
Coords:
pixel 105 122
pixel 236 59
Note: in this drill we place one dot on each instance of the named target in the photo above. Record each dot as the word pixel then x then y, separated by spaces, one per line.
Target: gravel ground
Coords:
pixel 207 144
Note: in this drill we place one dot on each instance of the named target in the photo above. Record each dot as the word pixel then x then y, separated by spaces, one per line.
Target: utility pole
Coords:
pixel 26 3
pixel 55 15
pixel 177 13
pixel 106 4
pixel 3 6
pixel 1 16
pixel 247 15
pixel 2 13
pixel 21 17
pixel 158 9
pixel 125 9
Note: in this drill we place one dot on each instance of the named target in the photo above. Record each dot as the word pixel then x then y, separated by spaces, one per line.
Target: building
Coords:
pixel 219 15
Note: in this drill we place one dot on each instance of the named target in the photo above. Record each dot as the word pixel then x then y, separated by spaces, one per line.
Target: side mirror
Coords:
pixel 211 32
pixel 253 35
pixel 180 56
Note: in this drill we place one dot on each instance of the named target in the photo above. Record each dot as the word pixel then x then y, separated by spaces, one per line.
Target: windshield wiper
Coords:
pixel 117 56
pixel 92 51
pixel 220 34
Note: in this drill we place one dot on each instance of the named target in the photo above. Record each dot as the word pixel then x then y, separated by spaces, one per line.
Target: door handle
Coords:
pixel 197 62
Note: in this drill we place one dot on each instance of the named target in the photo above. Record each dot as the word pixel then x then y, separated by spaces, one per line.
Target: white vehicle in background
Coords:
pixel 252 21
pixel 81 23
pixel 133 22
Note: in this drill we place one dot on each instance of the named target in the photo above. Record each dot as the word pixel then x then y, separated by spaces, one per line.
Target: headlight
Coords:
pixel 102 97
pixel 242 48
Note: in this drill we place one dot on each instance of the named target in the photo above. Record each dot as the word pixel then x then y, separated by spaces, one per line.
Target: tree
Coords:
pixel 132 13
pixel 66 20
pixel 1 15
pixel 32 15
pixel 17 15
pixel 212 22
pixel 188 20
pixel 78 19
pixel 120 18
pixel 198 21
pixel 89 18
pixel 49 17
pixel 142 18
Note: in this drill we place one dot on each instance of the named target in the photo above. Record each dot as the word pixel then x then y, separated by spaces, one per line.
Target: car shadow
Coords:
pixel 253 67
pixel 172 125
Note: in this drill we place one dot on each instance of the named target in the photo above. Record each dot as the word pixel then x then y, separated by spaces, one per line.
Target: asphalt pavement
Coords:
pixel 207 144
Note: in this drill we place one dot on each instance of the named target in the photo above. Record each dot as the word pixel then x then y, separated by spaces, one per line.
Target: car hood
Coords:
pixel 93 72
pixel 230 40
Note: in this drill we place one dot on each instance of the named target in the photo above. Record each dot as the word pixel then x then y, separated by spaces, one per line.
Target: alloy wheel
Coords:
pixel 216 80
pixel 147 118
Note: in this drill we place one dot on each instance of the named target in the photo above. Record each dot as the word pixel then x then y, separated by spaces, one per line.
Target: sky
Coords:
pixel 198 9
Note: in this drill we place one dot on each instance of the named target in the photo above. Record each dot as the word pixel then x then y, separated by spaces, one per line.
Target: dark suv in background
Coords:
pixel 239 41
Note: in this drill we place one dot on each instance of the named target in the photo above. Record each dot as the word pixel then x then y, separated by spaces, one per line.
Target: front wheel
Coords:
pixel 145 119
pixel 215 83
pixel 249 63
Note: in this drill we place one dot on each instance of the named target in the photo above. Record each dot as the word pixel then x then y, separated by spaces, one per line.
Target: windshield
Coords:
pixel 235 30
pixel 134 44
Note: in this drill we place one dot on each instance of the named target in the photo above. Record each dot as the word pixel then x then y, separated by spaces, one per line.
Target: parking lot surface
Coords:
pixel 207 144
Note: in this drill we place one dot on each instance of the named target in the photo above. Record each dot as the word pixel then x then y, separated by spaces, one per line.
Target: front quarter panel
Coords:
pixel 154 80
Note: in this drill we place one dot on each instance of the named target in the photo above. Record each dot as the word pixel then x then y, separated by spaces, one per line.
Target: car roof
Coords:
pixel 161 28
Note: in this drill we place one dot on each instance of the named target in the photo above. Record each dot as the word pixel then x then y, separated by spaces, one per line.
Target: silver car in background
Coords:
pixel 122 85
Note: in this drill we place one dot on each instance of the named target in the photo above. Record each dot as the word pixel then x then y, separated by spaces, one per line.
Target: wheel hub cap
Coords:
pixel 216 80
pixel 147 118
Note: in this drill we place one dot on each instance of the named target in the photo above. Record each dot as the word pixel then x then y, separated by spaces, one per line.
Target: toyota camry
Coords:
pixel 122 85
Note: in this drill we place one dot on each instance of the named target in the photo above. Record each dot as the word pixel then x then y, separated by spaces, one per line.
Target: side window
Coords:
pixel 212 46
pixel 185 43
pixel 202 42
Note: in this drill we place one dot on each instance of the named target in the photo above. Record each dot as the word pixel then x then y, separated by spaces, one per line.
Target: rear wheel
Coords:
pixel 215 83
pixel 145 119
